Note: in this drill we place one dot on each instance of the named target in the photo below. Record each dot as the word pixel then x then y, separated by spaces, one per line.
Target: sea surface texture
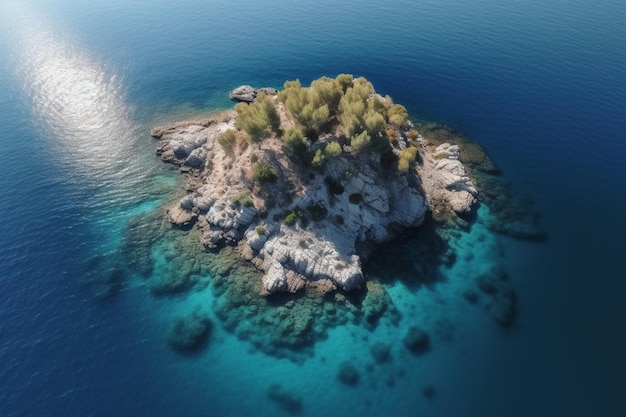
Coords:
pixel 539 84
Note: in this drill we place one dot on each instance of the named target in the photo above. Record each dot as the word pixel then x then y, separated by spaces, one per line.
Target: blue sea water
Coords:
pixel 541 85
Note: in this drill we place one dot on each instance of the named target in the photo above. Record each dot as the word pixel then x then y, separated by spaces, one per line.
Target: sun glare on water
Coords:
pixel 75 101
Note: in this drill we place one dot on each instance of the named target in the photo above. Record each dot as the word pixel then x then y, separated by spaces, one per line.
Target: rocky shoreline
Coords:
pixel 307 226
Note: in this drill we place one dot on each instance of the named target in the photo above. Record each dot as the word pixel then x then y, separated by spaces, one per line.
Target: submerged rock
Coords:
pixel 381 352
pixel 190 333
pixel 416 340
pixel 348 374
pixel 501 304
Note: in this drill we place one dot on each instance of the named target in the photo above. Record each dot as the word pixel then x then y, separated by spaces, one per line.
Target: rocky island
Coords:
pixel 305 183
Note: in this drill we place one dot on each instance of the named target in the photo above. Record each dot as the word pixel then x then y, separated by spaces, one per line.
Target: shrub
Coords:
pixel 409 153
pixel 260 230
pixel 254 158
pixel 264 173
pixel 403 165
pixel 308 106
pixel 361 141
pixel 318 159
pixel 228 140
pixel 375 123
pixel 332 150
pixel 398 115
pixel 344 81
pixel 258 119
pixel 243 198
pixel 329 91
pixel 294 141
pixel 412 134
pixel 291 219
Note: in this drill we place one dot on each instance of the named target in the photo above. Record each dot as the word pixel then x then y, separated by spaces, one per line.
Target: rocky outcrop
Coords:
pixel 247 93
pixel 445 182
pixel 308 227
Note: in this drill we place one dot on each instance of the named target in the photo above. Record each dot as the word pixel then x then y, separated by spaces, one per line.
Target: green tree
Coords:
pixel 294 141
pixel 258 119
pixel 398 115
pixel 329 92
pixel 264 173
pixel 361 141
pixel 375 123
pixel 344 81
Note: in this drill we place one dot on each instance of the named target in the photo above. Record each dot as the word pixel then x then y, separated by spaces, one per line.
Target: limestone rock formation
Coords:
pixel 307 226
pixel 445 181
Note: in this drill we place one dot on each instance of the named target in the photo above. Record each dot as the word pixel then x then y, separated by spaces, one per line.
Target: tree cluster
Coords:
pixel 258 119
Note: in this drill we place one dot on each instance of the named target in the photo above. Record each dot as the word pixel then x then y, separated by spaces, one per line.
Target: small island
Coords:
pixel 305 183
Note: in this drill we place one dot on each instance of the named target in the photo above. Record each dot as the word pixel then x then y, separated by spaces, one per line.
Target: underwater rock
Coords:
pixel 284 399
pixel 190 333
pixel 416 340
pixel 348 374
pixel 381 352
pixel 502 303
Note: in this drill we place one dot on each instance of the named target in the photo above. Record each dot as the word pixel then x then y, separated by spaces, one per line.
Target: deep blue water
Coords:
pixel 541 85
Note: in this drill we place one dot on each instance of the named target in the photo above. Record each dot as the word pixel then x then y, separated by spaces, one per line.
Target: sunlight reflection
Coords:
pixel 73 98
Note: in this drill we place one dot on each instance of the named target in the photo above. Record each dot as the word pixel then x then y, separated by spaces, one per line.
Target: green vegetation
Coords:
pixel 406 157
pixel 294 216
pixel 332 150
pixel 398 115
pixel 318 160
pixel 260 230
pixel 291 219
pixel 403 165
pixel 227 141
pixel 258 119
pixel 264 173
pixel 296 143
pixel 341 111
pixel 311 107
pixel 243 198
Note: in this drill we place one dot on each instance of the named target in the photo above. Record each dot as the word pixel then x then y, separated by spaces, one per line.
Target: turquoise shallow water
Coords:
pixel 539 84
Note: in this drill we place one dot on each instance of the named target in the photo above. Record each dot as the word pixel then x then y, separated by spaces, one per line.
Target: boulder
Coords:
pixel 243 93
pixel 190 333
pixel 348 374
pixel 416 340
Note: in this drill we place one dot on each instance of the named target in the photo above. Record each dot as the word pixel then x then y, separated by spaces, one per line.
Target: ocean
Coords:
pixel 540 85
